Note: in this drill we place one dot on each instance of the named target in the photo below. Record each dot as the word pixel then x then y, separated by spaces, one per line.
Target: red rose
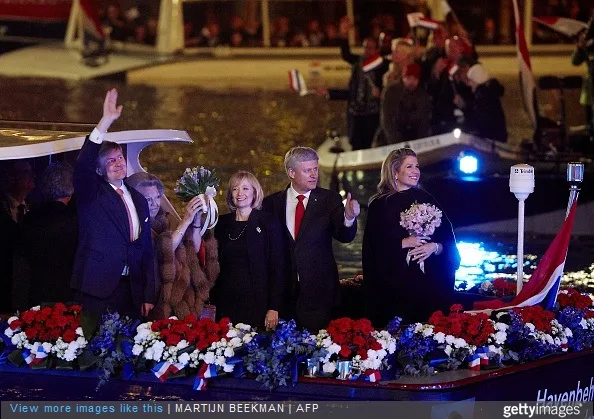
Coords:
pixel 69 336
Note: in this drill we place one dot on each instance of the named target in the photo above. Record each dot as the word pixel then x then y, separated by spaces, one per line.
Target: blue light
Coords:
pixel 468 164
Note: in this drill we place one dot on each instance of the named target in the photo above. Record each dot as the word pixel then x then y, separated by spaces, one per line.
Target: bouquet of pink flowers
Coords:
pixel 421 219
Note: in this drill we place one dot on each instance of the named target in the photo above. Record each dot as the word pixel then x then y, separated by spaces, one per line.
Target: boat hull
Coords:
pixel 550 377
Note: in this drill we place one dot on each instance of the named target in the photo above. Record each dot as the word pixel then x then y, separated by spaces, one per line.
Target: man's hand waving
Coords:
pixel 111 110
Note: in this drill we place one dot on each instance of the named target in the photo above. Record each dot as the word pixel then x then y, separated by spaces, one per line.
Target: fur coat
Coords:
pixel 184 283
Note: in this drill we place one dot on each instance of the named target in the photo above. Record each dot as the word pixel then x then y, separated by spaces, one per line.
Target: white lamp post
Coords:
pixel 521 184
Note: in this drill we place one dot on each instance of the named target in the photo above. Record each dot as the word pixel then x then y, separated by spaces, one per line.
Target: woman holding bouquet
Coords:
pixel 186 263
pixel 406 273
pixel 250 286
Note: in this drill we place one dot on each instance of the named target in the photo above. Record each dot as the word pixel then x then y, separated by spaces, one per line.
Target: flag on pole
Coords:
pixel 544 283
pixel 413 19
pixel 91 22
pixel 297 82
pixel 562 25
pixel 527 82
pixel 372 63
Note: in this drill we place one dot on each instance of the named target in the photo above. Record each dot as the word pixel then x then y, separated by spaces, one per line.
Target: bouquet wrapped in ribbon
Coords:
pixel 420 220
pixel 200 181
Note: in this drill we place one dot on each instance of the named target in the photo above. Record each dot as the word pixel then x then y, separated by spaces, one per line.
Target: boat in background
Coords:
pixel 469 177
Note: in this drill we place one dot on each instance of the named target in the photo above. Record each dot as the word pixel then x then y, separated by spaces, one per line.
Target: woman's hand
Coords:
pixel 413 241
pixel 271 319
pixel 193 207
pixel 422 252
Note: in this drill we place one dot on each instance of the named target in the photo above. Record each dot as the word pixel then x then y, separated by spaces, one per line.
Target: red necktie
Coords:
pixel 121 194
pixel 202 254
pixel 299 212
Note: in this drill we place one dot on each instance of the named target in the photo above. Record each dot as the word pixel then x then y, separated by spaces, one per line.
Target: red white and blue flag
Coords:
pixel 206 371
pixel 163 369
pixel 526 77
pixel 90 16
pixel 297 82
pixel 34 357
pixel 372 63
pixel 562 25
pixel 373 376
pixel 544 283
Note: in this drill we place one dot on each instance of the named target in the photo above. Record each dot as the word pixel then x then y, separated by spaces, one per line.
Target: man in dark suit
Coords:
pixel 312 216
pixel 113 267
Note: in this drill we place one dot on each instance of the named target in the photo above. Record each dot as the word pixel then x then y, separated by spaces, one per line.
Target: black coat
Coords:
pixel 310 257
pixel 50 234
pixel 394 287
pixel 265 273
pixel 104 245
pixel 485 117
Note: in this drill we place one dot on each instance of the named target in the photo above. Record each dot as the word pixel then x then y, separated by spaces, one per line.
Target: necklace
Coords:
pixel 239 235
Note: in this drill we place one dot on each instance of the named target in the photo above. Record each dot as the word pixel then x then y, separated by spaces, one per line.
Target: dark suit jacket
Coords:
pixel 311 257
pixel 104 245
pixel 266 262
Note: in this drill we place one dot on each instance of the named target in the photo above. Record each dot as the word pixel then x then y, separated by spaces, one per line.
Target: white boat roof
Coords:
pixel 29 143
pixel 430 146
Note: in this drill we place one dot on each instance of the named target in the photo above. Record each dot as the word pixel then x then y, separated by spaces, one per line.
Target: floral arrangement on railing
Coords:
pixel 274 357
pixel 532 333
pixel 346 339
pixel 450 341
pixel 350 349
pixel 175 344
pixel 111 347
pixel 576 312
pixel 44 334
pixel 500 287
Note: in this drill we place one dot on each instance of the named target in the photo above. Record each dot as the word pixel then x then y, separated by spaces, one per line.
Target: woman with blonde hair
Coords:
pixel 249 288
pixel 404 274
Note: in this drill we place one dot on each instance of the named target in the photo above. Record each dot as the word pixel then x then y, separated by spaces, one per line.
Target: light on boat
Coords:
pixel 457 132
pixel 467 164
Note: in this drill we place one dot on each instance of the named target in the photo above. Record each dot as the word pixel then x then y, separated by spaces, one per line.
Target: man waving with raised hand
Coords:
pixel 113 267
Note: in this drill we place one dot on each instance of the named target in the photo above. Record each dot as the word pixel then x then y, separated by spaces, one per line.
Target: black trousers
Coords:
pixel 119 301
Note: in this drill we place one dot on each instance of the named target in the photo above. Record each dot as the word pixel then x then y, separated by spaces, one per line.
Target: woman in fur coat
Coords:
pixel 186 264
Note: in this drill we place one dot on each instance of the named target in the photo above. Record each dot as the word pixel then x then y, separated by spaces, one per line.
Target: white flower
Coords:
pixel 530 327
pixel 228 367
pixel 11 319
pixel 209 358
pixel 448 350
pixel 36 308
pixel 460 343
pixel 236 342
pixel 439 337
pixel 9 332
pixel 229 352
pixel 501 326
pixel 182 344
pixel 500 338
pixel 137 349
pixel 450 339
pixel 428 332
pixel 183 358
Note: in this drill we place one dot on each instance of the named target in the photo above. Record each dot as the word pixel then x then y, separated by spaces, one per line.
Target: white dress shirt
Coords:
pixel 292 206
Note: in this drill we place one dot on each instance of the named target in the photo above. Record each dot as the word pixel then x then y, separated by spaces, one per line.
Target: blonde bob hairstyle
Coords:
pixel 236 179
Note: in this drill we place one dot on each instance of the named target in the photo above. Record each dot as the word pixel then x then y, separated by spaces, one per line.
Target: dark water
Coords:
pixel 250 130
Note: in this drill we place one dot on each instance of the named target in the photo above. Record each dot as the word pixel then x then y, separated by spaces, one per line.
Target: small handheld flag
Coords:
pixel 372 63
pixel 297 83
pixel 562 25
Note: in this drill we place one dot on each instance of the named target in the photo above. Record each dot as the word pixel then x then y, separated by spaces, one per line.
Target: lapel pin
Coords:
pixel 146 219
pixel 258 229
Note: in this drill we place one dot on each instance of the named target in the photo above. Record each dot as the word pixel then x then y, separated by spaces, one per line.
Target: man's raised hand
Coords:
pixel 111 110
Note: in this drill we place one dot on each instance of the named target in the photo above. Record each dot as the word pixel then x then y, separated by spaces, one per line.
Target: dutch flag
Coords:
pixel 297 83
pixel 163 369
pixel 544 283
pixel 570 28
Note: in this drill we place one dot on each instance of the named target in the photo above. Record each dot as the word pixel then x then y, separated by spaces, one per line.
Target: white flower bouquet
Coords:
pixel 200 181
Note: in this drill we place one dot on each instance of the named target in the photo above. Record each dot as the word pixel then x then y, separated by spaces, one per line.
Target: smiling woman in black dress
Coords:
pixel 395 287
pixel 250 286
